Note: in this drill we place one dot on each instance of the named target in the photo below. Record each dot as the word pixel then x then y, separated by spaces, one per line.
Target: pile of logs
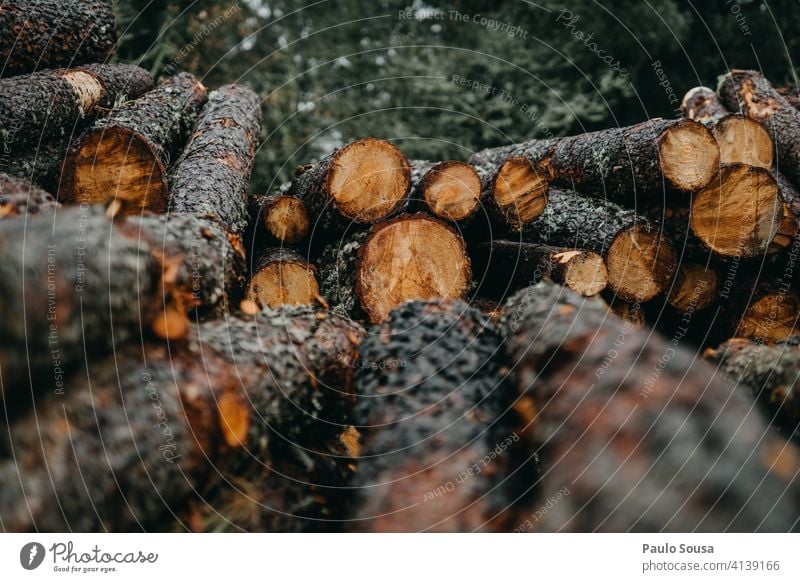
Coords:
pixel 384 344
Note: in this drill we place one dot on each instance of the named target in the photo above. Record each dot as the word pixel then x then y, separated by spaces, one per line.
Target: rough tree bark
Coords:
pixel 45 34
pixel 128 440
pixel 438 434
pixel 41 164
pixel 642 435
pixel 18 196
pixel 212 175
pixel 125 156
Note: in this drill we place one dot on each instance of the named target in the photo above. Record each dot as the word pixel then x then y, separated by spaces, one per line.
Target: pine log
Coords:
pixel 765 311
pixel 129 439
pixel 362 183
pixel 212 175
pixel 703 105
pixel 41 165
pixel 739 212
pixel 770 373
pixel 279 220
pixel 281 276
pixel 438 444
pixel 643 436
pixel 125 156
pixel 502 267
pixel 47 105
pixel 791 93
pixel 19 197
pixel 639 259
pixel 450 190
pixel 514 191
pixel 695 287
pixel 628 165
pixel 749 93
pixel 411 256
pixel 91 284
pixel 45 34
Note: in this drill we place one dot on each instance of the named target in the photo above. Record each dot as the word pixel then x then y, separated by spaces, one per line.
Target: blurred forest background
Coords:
pixel 442 79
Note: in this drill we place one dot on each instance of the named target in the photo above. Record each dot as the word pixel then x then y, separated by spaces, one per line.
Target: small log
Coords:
pixel 643 435
pixel 749 93
pixel 502 267
pixel 514 191
pixel 46 34
pixel 19 197
pixel 738 213
pixel 125 156
pixel 212 175
pixel 628 165
pixel 279 219
pixel 438 448
pixel 282 277
pixel 412 256
pixel 47 105
pixel 765 312
pixel 450 190
pixel 362 183
pixel 630 311
pixel 770 373
pixel 695 287
pixel 640 261
pixel 703 105
pixel 130 438
pixel 91 284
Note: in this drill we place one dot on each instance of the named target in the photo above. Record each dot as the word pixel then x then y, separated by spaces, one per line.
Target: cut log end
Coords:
pixel 283 278
pixel 520 191
pixel 410 257
pixel 640 263
pixel 114 163
pixel 451 190
pixel 738 213
pixel 583 271
pixel 696 287
pixel 743 140
pixel 286 219
pixel 702 104
pixel 771 317
pixel 369 180
pixel 689 155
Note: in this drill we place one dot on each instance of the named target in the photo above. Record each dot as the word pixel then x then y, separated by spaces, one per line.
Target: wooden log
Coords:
pixel 502 267
pixel 640 260
pixel 411 256
pixel 91 284
pixel 695 287
pixel 628 165
pixel 361 183
pixel 47 105
pixel 450 190
pixel 20 197
pixel 130 437
pixel 46 34
pixel 281 276
pixel 41 165
pixel 739 212
pixel 212 175
pixel 791 93
pixel 125 156
pixel 514 190
pixel 703 105
pixel 279 220
pixel 749 93
pixel 769 373
pixel 643 436
pixel 764 311
pixel 437 446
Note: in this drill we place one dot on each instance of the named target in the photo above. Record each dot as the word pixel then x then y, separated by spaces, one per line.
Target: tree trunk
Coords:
pixel 47 105
pixel 281 276
pixel 19 197
pixel 749 93
pixel 125 156
pixel 124 446
pixel 45 34
pixel 362 183
pixel 91 284
pixel 437 443
pixel 278 220
pixel 412 256
pixel 212 176
pixel 41 165
pixel 640 435
pixel 502 267
pixel 640 261
pixel 769 373
pixel 449 190
pixel 629 165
